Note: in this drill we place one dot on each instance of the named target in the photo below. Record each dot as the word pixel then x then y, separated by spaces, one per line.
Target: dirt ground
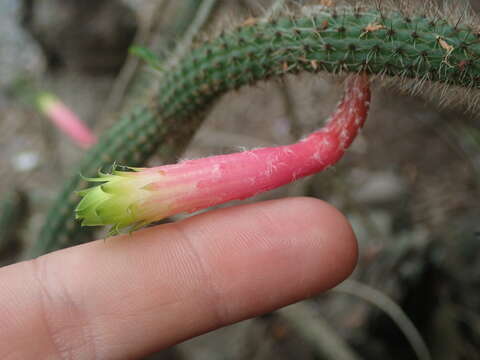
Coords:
pixel 410 184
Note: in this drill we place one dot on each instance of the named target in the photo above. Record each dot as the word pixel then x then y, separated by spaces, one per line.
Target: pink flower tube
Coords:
pixel 66 120
pixel 132 199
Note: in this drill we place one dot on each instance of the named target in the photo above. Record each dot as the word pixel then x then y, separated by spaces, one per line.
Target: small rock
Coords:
pixel 376 187
pixel 26 161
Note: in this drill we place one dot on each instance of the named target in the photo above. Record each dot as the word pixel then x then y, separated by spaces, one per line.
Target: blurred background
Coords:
pixel 410 184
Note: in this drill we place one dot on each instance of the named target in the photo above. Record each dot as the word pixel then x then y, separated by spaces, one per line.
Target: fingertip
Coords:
pixel 325 240
pixel 331 234
pixel 313 234
pixel 282 250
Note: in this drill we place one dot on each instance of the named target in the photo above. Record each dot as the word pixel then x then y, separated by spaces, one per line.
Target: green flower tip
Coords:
pixel 45 101
pixel 111 203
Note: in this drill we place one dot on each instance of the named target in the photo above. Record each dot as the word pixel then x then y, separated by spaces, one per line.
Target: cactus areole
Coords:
pixel 132 199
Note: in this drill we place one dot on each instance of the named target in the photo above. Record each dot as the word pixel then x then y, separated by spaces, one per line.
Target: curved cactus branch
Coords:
pixel 327 40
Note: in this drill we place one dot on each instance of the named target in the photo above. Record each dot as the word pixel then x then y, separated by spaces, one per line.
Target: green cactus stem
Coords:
pixel 346 41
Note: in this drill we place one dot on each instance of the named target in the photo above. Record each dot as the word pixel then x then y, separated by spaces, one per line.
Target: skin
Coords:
pixel 129 296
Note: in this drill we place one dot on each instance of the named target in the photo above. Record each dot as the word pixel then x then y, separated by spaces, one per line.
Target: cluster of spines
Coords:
pixel 332 41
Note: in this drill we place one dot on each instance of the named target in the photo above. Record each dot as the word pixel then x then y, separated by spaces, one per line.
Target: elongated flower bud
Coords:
pixel 132 199
pixel 66 120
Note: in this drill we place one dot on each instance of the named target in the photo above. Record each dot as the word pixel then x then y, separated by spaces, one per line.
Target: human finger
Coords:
pixel 134 294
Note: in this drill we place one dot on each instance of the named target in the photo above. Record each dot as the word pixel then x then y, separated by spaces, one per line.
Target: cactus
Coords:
pixel 346 41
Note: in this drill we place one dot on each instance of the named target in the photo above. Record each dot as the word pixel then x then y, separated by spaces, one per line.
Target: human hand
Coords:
pixel 135 294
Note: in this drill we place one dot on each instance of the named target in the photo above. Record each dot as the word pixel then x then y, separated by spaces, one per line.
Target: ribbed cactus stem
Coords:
pixel 327 40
